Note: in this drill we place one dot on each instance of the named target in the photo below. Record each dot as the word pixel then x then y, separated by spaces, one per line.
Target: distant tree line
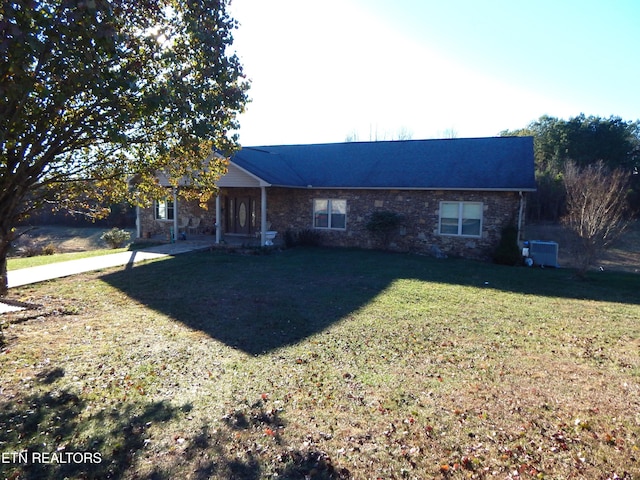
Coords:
pixel 121 215
pixel 582 141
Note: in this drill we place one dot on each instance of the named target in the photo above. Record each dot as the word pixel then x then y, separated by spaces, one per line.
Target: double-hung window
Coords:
pixel 164 209
pixel 461 218
pixel 330 214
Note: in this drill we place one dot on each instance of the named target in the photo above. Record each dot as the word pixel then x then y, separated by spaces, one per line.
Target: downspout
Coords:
pixel 520 215
pixel 263 215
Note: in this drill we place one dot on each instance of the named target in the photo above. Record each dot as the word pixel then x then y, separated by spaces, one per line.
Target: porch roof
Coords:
pixel 496 163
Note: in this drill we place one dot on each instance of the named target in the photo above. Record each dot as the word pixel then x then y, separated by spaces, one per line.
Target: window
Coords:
pixel 164 209
pixel 330 214
pixel 461 218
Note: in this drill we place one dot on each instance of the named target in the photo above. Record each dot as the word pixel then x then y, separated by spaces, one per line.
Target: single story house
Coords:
pixel 455 195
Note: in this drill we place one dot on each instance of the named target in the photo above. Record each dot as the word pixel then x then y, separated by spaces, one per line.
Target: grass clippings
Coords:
pixel 315 363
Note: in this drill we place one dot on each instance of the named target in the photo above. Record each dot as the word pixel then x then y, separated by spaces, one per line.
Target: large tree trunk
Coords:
pixel 10 213
pixel 5 245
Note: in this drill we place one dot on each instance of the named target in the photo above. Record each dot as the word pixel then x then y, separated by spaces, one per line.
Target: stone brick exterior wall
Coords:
pixel 293 209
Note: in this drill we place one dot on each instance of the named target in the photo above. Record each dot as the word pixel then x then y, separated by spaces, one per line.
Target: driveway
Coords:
pixel 26 276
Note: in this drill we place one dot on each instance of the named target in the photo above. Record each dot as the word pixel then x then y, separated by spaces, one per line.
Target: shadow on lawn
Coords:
pixel 256 304
pixel 54 436
pixel 261 303
pixel 55 433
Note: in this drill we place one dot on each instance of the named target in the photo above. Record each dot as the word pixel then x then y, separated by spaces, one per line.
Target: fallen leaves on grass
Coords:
pixel 420 378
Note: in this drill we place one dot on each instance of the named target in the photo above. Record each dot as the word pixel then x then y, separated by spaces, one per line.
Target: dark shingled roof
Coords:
pixel 497 163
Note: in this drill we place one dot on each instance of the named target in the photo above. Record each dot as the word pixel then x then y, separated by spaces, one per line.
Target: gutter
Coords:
pixel 431 189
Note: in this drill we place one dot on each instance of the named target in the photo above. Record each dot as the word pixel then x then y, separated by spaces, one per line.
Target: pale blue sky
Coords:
pixel 324 70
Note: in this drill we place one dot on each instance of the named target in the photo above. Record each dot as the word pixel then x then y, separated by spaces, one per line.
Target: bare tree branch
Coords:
pixel 596 207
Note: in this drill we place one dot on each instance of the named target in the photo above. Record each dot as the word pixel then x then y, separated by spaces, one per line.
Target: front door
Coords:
pixel 241 215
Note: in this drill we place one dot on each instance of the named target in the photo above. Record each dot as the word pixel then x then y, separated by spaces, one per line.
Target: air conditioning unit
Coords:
pixel 543 254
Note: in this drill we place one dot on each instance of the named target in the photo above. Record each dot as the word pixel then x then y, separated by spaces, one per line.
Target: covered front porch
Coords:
pixel 238 215
pixel 241 208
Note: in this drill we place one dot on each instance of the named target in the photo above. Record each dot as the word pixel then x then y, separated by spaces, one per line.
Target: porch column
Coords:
pixel 218 218
pixel 263 215
pixel 175 215
pixel 138 223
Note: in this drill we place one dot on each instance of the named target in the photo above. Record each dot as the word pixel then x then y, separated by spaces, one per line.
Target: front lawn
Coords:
pixel 325 364
pixel 16 263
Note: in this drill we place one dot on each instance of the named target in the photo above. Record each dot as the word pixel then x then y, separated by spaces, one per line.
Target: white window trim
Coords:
pixel 460 218
pixel 167 201
pixel 329 216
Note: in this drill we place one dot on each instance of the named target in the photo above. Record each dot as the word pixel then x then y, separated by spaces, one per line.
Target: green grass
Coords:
pixel 17 263
pixel 326 364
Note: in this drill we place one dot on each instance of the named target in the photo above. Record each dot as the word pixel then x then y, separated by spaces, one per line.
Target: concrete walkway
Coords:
pixel 26 276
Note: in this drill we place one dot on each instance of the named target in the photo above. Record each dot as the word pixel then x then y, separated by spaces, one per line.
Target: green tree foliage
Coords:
pixel 584 141
pixel 96 92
